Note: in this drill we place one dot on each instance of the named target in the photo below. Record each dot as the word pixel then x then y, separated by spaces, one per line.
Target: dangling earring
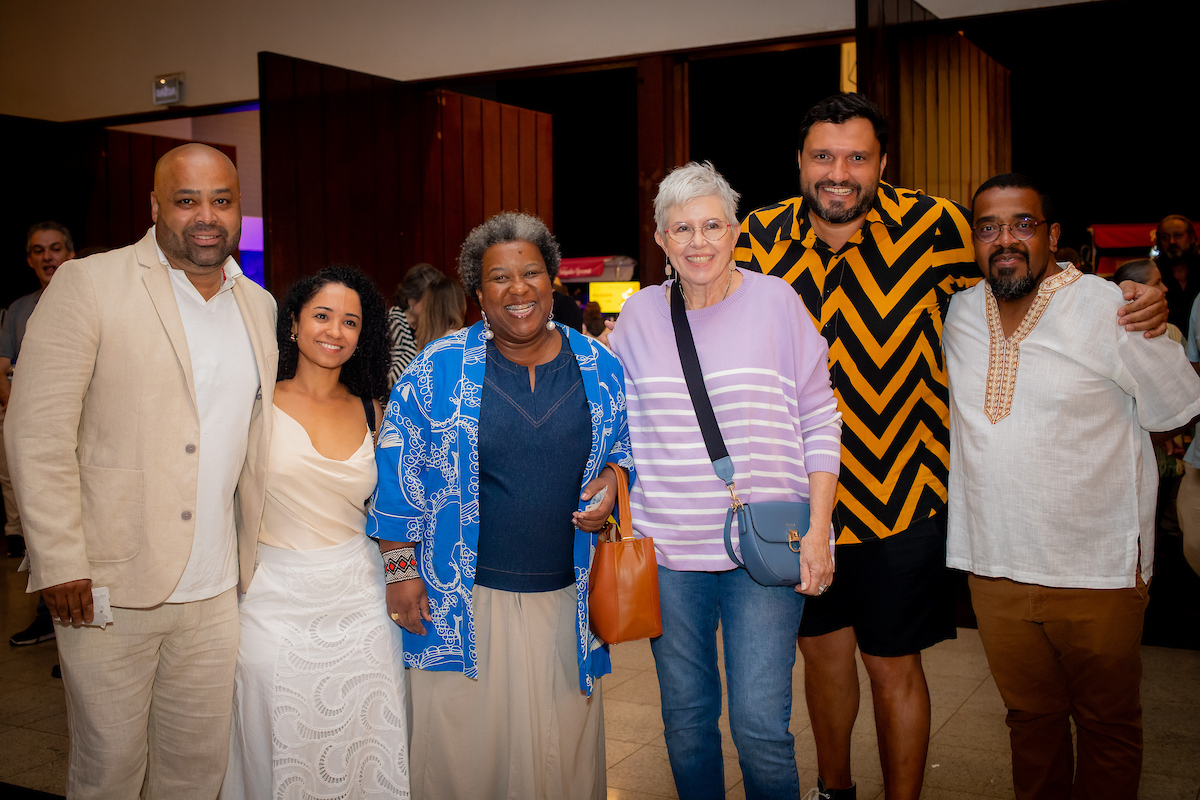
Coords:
pixel 293 336
pixel 669 268
pixel 487 329
pixel 550 322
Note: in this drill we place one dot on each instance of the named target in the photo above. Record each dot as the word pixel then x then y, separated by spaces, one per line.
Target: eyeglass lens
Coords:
pixel 713 230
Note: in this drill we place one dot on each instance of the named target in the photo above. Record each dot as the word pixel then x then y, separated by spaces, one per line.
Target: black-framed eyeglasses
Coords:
pixel 1023 228
pixel 714 230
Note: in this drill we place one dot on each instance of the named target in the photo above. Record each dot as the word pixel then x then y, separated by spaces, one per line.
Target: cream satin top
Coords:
pixel 313 501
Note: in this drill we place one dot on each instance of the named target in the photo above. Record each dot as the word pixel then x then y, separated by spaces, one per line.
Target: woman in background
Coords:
pixel 403 318
pixel 593 321
pixel 443 309
pixel 320 693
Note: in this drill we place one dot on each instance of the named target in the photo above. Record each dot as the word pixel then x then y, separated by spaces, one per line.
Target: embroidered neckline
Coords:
pixel 1004 355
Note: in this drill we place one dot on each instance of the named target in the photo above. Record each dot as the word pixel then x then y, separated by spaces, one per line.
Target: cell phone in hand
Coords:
pixel 596 500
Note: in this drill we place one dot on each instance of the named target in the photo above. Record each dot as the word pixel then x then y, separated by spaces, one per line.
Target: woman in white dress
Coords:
pixel 320 701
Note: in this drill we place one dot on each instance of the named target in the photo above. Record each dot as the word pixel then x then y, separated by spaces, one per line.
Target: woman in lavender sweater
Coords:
pixel 765 369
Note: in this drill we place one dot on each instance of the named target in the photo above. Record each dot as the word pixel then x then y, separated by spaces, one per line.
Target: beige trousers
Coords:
pixel 150 701
pixel 1188 509
pixel 523 730
pixel 12 521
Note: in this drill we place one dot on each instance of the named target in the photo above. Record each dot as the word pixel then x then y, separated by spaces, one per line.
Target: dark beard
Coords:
pixel 1008 287
pixel 838 215
pixel 180 249
pixel 1012 288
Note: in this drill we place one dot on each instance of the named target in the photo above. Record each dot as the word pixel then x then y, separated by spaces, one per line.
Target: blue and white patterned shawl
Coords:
pixel 428 491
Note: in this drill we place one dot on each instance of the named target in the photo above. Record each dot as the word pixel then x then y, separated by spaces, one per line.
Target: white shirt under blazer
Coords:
pixel 104 428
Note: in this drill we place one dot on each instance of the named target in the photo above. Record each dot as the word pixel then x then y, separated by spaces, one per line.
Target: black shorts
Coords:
pixel 896 592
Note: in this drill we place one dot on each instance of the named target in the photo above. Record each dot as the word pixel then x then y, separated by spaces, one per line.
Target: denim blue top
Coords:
pixel 428 490
pixel 533 446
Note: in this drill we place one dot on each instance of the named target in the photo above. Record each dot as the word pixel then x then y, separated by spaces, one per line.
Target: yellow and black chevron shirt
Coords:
pixel 879 301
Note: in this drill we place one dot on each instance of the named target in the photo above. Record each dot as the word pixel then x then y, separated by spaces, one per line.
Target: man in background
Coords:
pixel 1179 262
pixel 47 245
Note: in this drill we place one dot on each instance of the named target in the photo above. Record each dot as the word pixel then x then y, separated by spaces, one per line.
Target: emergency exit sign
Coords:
pixel 168 89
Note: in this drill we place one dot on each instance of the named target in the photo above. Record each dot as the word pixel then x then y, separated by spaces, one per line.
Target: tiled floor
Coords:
pixel 968 753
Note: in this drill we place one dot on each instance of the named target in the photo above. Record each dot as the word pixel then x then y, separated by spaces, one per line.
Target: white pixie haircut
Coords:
pixel 689 182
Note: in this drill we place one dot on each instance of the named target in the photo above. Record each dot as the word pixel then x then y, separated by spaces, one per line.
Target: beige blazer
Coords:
pixel 103 428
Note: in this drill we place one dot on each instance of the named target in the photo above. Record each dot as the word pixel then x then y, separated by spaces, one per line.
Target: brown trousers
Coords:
pixel 1063 654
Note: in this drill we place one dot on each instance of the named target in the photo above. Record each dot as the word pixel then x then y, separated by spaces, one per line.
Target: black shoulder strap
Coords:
pixel 369 409
pixel 713 441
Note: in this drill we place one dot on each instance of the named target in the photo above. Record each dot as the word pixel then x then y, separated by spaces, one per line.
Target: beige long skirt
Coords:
pixel 523 730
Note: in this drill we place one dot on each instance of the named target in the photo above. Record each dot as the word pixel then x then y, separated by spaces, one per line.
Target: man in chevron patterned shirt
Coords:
pixel 876 266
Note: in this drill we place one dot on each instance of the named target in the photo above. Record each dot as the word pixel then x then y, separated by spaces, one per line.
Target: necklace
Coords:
pixel 728 283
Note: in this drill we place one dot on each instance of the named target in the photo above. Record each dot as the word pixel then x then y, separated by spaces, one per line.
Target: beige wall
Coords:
pixel 79 59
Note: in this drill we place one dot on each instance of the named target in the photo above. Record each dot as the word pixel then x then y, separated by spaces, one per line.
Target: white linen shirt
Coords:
pixel 225 375
pixel 1060 489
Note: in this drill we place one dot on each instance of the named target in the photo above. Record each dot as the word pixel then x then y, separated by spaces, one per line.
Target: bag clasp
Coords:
pixel 793 540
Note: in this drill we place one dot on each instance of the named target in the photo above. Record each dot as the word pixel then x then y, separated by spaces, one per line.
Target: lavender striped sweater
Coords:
pixel 765 366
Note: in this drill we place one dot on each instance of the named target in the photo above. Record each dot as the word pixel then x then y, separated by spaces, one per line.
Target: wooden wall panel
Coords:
pixel 337 177
pixel 432 242
pixel 527 164
pixel 956 133
pixel 510 158
pixel 341 171
pixel 545 169
pixel 123 178
pixel 493 179
pixel 661 102
pixel 277 132
pixel 473 175
pixel 364 170
pixel 453 156
pixel 408 228
pixel 310 181
pixel 120 189
pixel 493 158
pixel 946 99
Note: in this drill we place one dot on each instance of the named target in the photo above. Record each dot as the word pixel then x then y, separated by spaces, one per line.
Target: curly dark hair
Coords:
pixel 365 374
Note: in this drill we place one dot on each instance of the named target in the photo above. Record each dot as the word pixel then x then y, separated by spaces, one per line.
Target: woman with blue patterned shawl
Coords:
pixel 491 461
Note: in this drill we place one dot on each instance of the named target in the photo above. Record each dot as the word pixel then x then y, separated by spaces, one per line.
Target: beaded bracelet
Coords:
pixel 400 565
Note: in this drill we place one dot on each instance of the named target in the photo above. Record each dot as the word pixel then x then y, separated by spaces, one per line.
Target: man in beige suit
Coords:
pixel 139 443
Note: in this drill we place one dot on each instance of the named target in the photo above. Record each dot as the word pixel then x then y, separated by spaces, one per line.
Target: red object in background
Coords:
pixel 1131 240
pixel 575 268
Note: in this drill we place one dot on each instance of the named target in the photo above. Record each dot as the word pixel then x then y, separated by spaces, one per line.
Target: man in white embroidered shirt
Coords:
pixel 1052 492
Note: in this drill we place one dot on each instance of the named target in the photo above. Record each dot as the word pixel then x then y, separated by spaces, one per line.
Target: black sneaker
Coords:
pixel 42 630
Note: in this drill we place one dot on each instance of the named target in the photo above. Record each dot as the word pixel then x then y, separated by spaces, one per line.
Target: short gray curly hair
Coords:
pixel 684 184
pixel 507 227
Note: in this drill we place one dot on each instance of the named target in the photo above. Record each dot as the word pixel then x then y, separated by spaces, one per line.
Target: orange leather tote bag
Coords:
pixel 623 586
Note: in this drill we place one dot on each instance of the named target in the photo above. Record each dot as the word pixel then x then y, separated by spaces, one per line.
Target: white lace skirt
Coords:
pixel 319 709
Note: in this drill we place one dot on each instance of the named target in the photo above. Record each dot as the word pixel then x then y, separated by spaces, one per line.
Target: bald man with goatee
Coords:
pixel 137 423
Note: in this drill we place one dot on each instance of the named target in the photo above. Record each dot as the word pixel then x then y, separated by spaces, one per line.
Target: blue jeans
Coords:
pixel 758 626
